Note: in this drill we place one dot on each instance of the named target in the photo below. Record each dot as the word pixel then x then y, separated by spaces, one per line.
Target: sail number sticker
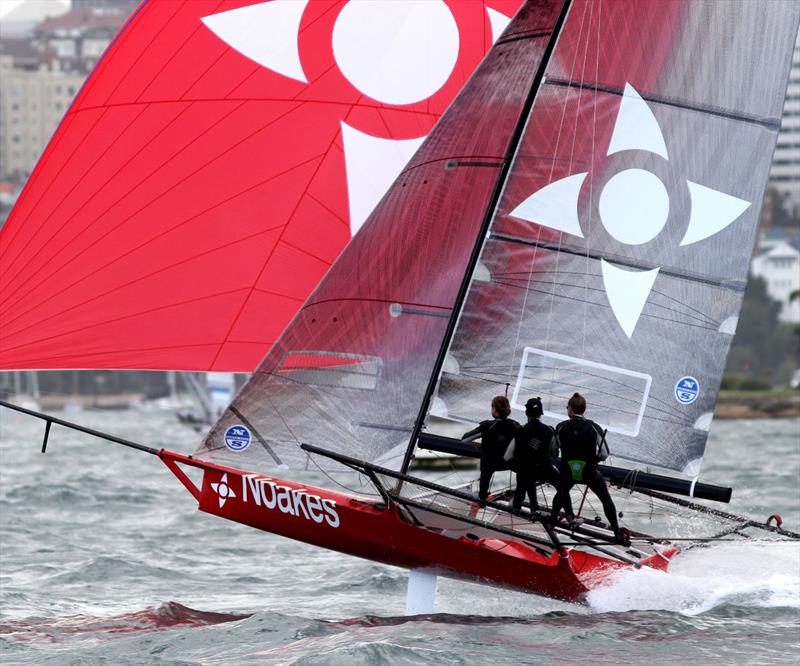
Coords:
pixel 237 438
pixel 686 390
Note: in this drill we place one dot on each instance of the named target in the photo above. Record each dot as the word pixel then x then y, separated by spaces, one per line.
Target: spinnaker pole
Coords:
pixel 49 420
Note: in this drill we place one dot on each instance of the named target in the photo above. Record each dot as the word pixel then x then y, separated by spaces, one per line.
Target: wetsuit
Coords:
pixel 532 461
pixel 496 435
pixel 582 447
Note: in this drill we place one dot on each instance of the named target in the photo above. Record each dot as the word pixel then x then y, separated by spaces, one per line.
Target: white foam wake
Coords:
pixel 763 574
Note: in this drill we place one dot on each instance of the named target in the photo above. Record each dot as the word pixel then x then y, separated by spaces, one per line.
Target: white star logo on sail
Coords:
pixel 223 490
pixel 633 206
pixel 398 53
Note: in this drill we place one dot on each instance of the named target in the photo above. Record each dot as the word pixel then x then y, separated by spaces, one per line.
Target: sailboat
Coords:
pixel 580 219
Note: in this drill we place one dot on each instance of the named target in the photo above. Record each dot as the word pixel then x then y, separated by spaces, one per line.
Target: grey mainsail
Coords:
pixel 617 260
pixel 614 265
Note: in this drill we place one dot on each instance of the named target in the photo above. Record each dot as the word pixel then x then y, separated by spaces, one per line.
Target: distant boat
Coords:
pixel 25 390
pixel 212 394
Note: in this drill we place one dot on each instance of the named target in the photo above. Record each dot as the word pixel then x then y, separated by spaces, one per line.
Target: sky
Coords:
pixel 31 9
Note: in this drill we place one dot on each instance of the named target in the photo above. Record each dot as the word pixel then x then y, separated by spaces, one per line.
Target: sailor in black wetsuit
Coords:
pixel 532 451
pixel 583 446
pixel 496 434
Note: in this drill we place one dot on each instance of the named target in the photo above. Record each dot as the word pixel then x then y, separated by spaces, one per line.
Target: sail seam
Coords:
pixel 613 90
pixel 129 217
pixel 144 49
pixel 737 286
pixel 533 34
pixel 68 118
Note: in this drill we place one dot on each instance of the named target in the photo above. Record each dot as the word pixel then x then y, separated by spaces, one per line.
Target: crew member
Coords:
pixel 532 451
pixel 496 434
pixel 583 445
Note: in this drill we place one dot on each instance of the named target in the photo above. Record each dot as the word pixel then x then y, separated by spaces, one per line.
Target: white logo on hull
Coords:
pixel 265 492
pixel 223 490
pixel 296 502
pixel 634 207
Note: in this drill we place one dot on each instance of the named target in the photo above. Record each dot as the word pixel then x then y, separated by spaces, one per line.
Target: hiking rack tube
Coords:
pixel 371 470
pixel 630 479
pixel 745 522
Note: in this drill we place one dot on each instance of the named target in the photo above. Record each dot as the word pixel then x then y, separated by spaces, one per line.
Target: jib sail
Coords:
pixel 618 257
pixel 350 371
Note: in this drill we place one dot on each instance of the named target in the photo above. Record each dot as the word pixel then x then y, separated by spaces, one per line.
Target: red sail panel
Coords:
pixel 348 374
pixel 201 185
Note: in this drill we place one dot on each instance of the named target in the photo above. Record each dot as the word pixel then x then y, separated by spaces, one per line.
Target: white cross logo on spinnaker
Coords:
pixel 398 53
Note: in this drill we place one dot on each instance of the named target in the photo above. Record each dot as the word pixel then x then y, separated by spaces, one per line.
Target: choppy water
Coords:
pixel 106 561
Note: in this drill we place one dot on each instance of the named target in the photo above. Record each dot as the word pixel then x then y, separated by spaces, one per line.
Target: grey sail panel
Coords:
pixel 348 374
pixel 617 260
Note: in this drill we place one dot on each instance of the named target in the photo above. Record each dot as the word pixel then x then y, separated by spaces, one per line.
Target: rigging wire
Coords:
pixel 552 170
pixel 341 485
pixel 538 232
pixel 507 280
pixel 591 182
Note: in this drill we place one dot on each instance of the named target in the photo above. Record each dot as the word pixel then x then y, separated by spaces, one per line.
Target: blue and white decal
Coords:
pixel 686 390
pixel 237 438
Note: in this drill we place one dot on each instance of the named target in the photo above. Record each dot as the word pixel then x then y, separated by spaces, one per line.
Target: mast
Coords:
pixel 481 237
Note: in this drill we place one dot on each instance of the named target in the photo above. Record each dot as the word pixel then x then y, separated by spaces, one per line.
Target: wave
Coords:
pixel 168 615
pixel 105 568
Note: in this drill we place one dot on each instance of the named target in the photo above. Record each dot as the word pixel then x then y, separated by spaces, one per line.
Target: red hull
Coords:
pixel 368 528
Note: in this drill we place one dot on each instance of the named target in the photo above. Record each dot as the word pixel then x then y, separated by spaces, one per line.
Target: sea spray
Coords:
pixel 751 574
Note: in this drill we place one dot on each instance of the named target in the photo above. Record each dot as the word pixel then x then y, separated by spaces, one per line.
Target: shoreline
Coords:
pixel 757 405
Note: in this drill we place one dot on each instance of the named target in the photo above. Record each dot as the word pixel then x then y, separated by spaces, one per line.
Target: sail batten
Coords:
pixel 566 248
pixel 770 123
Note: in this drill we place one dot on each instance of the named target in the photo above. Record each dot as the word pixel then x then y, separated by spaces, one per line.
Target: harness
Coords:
pixel 580 462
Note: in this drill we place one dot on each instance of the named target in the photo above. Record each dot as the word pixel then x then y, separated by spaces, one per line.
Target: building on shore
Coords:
pixel 785 172
pixel 40 74
pixel 778 263
pixel 33 99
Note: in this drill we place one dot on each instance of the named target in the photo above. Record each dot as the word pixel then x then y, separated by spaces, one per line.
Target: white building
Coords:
pixel 785 172
pixel 40 75
pixel 79 37
pixel 32 103
pixel 779 266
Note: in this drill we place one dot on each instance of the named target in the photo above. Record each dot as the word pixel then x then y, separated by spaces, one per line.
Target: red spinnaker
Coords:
pixel 193 196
